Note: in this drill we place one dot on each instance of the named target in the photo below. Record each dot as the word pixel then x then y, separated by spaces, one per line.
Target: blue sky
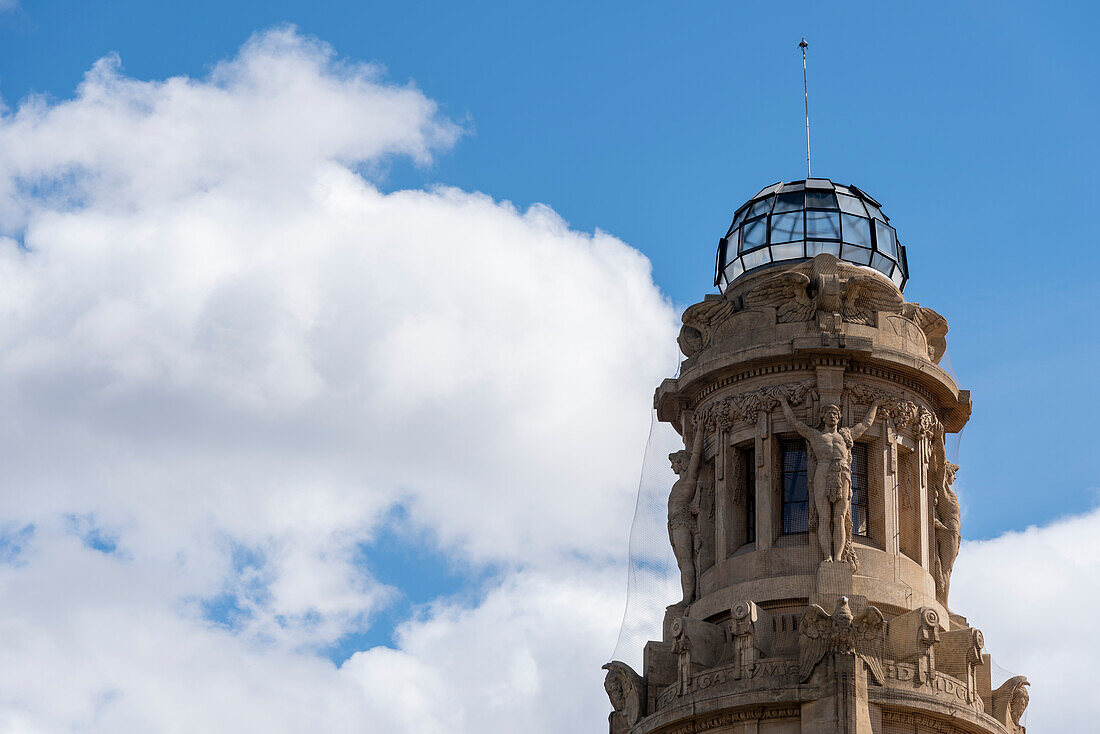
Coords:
pixel 974 124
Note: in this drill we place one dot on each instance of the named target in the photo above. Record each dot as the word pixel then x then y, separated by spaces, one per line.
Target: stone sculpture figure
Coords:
pixel 948 530
pixel 1009 703
pixel 832 488
pixel 682 511
pixel 821 633
pixel 626 691
pixel 948 515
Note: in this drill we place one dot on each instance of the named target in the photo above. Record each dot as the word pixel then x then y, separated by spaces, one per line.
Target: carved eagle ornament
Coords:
pixel 821 633
pixel 797 297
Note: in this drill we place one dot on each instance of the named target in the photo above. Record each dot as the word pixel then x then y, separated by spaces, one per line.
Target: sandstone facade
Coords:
pixel 814 521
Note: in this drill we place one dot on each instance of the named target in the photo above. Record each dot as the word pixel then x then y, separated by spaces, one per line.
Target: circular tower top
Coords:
pixel 801 219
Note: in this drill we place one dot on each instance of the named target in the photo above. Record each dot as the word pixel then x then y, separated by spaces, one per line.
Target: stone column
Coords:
pixel 890 487
pixel 765 494
pixel 725 481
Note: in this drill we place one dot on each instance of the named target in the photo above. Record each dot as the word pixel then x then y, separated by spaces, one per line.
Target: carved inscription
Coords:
pixel 938 682
pixel 712 678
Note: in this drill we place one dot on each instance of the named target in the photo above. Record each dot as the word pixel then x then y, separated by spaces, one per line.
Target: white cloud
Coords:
pixel 1033 594
pixel 527 658
pixel 226 354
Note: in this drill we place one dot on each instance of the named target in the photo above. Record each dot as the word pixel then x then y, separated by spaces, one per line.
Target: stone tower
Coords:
pixel 813 522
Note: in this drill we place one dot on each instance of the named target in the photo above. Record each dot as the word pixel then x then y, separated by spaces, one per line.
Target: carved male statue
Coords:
pixel 948 528
pixel 832 449
pixel 682 511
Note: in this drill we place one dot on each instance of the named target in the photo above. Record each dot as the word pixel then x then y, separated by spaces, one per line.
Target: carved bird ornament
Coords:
pixel 798 297
pixel 821 633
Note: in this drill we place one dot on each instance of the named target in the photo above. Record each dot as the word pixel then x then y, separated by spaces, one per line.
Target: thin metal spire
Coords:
pixel 806 97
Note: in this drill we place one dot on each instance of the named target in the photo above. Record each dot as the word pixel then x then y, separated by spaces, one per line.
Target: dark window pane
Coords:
pixel 860 499
pixel 796 507
pixel 857 230
pixel 820 200
pixel 794 456
pixel 796 517
pixel 788 203
pixel 787 227
pixel 823 225
pixel 754 234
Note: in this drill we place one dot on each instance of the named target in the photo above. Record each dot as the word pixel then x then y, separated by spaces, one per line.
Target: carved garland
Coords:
pixel 725 413
pixel 903 412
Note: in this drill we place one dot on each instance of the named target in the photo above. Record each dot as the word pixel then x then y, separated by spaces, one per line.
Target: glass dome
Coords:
pixel 801 219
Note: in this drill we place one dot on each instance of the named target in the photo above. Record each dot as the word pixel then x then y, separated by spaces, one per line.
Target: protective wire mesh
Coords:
pixel 653 581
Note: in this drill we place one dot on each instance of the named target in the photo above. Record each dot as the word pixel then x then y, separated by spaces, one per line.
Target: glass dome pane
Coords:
pixel 739 218
pixel 756 259
pixel 852 205
pixel 788 203
pixel 873 211
pixel 857 255
pixel 886 239
pixel 824 225
pixel 857 230
pixel 789 251
pixel 734 269
pixel 820 200
pixel 882 264
pixel 898 277
pixel 816 248
pixel 754 234
pixel 787 227
pixel 761 207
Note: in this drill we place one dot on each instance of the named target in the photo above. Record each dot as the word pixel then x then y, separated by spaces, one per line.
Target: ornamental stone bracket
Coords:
pixel 912 638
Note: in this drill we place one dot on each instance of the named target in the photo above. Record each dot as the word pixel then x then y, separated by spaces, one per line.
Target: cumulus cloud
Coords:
pixel 1033 594
pixel 227 354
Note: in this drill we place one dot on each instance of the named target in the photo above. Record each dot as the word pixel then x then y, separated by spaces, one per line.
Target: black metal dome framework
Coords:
pixel 801 219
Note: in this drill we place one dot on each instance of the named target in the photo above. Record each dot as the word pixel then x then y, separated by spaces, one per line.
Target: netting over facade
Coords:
pixel 806 531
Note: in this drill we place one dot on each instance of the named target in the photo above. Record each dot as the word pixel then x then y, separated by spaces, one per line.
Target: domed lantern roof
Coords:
pixel 801 219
